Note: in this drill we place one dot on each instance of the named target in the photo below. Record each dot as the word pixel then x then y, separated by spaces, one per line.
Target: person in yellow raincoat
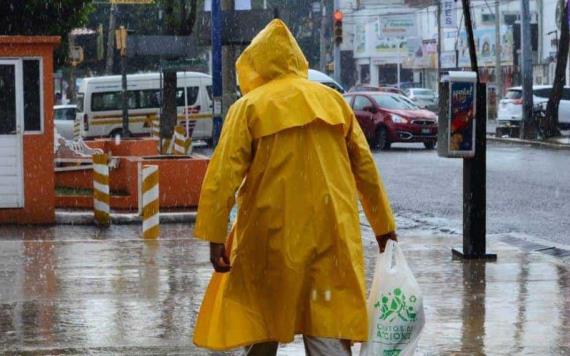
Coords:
pixel 298 160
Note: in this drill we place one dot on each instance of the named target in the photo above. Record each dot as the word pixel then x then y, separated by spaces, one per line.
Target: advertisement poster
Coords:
pixel 485 45
pixel 461 134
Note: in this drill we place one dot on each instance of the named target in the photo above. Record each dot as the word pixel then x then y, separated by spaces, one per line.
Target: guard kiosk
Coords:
pixel 27 189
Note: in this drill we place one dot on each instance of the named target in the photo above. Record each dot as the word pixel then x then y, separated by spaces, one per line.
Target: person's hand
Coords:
pixel 383 240
pixel 218 257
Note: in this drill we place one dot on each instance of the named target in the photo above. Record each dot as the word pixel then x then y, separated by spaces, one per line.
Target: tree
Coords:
pixel 549 126
pixel 40 17
pixel 179 19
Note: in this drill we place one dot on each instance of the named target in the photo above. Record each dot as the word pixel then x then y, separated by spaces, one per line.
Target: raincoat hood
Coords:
pixel 273 53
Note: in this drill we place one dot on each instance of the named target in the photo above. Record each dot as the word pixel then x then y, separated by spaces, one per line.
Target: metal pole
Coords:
pixel 498 62
pixel 337 69
pixel 323 49
pixel 475 169
pixel 439 44
pixel 526 68
pixel 186 105
pixel 110 37
pixel 216 70
pixel 126 132
pixel 399 64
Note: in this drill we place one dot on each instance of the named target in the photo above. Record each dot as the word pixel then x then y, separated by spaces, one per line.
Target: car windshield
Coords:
pixel 514 94
pixel 393 102
pixel 425 92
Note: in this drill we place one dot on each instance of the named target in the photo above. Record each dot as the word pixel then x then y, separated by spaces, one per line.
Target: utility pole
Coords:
pixel 336 55
pixel 216 70
pixel 498 49
pixel 439 44
pixel 110 37
pixel 229 87
pixel 526 131
pixel 323 48
pixel 121 40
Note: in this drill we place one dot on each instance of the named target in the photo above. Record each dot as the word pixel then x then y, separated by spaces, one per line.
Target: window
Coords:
pixel 393 102
pixel 32 95
pixel 542 93
pixel 80 102
pixel 67 114
pixel 150 98
pixel 210 92
pixel 514 94
pixel 112 101
pixel 360 103
pixel 192 94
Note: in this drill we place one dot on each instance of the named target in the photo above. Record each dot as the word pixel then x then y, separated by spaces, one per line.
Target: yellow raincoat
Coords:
pixel 296 153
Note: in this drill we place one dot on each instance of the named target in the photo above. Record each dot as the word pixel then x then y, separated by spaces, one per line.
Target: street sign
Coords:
pixel 132 2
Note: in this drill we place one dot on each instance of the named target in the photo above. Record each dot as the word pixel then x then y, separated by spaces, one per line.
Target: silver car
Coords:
pixel 424 98
pixel 64 117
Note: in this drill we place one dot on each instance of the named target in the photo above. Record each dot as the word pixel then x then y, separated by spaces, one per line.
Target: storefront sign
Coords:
pixel 448 14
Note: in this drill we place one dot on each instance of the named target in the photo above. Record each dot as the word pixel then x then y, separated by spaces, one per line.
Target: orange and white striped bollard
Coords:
pixel 101 196
pixel 150 202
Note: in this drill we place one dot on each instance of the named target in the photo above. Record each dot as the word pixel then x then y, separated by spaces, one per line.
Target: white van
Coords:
pixel 99 103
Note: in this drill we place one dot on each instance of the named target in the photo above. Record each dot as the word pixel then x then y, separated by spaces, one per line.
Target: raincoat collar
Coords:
pixel 272 54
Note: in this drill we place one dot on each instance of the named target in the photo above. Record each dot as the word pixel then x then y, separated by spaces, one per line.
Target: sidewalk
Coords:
pixel 79 290
pixel 560 143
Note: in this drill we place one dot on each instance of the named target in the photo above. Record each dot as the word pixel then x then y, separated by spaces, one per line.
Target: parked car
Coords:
pixel 64 117
pixel 387 118
pixel 322 78
pixel 424 98
pixel 510 107
pixel 366 87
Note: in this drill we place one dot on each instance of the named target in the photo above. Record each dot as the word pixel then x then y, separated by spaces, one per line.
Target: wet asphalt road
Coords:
pixel 528 190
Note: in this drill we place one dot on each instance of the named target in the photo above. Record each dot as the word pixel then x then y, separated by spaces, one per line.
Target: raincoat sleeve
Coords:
pixel 368 182
pixel 225 174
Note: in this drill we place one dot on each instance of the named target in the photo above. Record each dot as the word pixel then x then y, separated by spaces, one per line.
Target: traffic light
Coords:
pixel 337 30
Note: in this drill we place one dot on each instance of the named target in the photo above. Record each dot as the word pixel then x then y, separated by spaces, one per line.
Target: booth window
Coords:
pixel 32 95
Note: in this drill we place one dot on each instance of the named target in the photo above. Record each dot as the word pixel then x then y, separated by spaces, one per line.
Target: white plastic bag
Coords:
pixel 395 307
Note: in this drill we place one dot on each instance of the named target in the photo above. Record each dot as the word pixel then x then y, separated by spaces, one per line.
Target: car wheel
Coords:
pixel 429 145
pixel 381 139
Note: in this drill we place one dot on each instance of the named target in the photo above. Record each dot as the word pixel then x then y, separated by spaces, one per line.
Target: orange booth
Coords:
pixel 27 186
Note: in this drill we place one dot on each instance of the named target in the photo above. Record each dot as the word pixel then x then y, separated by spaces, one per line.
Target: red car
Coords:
pixel 386 118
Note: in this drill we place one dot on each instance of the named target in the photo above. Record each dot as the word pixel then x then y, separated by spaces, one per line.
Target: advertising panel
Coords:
pixel 462 104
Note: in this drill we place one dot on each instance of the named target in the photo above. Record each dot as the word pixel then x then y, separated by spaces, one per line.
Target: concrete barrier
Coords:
pixel 150 202
pixel 101 196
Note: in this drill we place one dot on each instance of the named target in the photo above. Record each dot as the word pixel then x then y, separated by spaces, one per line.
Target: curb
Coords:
pixel 518 141
pixel 87 218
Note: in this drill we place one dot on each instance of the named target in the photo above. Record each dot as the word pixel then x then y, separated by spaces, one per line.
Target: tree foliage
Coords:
pixel 40 17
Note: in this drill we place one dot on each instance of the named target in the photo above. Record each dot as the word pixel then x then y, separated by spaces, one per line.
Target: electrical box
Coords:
pixel 457 112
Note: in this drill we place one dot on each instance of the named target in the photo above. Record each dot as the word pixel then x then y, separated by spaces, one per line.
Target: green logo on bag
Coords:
pixel 395 305
pixel 395 352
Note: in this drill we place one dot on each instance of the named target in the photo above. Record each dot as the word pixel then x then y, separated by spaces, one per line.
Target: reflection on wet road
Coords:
pixel 78 290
